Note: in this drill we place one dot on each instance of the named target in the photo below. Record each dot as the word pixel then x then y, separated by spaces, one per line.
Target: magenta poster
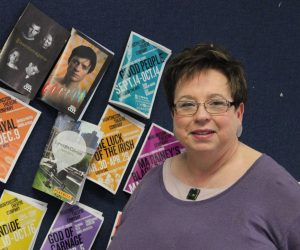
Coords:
pixel 159 145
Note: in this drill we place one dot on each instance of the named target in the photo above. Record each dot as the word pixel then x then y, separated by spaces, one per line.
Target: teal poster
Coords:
pixel 139 74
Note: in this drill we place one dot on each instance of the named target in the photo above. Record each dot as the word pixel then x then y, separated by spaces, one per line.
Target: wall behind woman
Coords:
pixel 264 35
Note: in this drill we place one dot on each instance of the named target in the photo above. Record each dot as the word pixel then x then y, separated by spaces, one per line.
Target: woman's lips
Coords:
pixel 203 133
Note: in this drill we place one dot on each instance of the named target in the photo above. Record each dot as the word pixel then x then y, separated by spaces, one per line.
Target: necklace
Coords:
pixel 179 189
pixel 185 192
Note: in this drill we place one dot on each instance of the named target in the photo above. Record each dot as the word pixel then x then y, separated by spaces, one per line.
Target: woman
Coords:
pixel 220 193
pixel 13 58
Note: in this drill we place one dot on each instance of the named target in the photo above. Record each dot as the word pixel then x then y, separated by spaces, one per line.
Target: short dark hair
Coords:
pixel 85 52
pixel 34 23
pixel 199 58
pixel 13 50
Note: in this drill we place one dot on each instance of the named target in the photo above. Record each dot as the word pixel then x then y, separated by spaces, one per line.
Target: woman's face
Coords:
pixel 14 57
pixel 204 132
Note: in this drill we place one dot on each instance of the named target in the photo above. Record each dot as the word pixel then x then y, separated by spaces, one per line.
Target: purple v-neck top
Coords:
pixel 260 211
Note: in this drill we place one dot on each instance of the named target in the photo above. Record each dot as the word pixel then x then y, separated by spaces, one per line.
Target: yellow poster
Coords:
pixel 20 219
pixel 121 134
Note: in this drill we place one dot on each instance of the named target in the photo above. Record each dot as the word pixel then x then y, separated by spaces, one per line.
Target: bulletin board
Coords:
pixel 264 35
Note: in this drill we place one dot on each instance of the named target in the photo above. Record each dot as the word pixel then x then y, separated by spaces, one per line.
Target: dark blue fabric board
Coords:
pixel 264 35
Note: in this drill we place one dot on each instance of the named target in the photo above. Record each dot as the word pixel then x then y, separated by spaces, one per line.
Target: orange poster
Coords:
pixel 121 134
pixel 17 120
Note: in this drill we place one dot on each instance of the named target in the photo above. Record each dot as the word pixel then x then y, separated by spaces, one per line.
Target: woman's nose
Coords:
pixel 201 112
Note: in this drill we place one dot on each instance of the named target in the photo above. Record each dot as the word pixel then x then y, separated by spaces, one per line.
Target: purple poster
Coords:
pixel 159 145
pixel 75 227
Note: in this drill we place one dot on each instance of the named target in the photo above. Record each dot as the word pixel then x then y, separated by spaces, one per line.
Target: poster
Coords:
pixel 17 120
pixel 30 51
pixel 75 227
pixel 121 134
pixel 66 159
pixel 20 220
pixel 139 74
pixel 115 227
pixel 159 145
pixel 76 76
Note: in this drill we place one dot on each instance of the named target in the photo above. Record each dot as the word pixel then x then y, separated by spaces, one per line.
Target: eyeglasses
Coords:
pixel 212 106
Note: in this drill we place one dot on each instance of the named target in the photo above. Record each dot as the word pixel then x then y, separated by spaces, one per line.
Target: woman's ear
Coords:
pixel 172 114
pixel 240 114
pixel 240 111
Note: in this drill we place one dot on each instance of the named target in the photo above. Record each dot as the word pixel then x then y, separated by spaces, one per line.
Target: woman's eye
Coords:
pixel 217 103
pixel 187 105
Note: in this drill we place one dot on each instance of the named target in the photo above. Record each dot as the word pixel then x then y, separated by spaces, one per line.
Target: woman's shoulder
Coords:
pixel 263 165
pixel 275 178
pixel 274 169
pixel 153 179
pixel 153 174
pixel 148 183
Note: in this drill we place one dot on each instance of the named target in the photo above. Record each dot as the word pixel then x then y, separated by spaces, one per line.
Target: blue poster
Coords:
pixel 139 74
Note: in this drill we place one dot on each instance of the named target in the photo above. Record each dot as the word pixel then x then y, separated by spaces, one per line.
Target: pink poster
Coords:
pixel 159 145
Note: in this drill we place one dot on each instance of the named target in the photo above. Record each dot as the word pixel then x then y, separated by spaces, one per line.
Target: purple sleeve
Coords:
pixel 131 202
pixel 136 193
pixel 292 241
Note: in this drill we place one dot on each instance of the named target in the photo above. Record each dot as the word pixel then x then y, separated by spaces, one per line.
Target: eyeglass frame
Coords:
pixel 229 105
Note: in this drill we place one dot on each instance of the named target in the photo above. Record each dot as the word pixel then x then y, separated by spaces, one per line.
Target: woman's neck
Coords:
pixel 213 170
pixel 209 161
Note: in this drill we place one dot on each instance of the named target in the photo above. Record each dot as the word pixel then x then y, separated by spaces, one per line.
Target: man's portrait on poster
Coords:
pixel 47 41
pixel 72 87
pixel 32 31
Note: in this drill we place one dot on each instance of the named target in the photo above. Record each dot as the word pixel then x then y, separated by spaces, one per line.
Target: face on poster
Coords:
pixel 74 75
